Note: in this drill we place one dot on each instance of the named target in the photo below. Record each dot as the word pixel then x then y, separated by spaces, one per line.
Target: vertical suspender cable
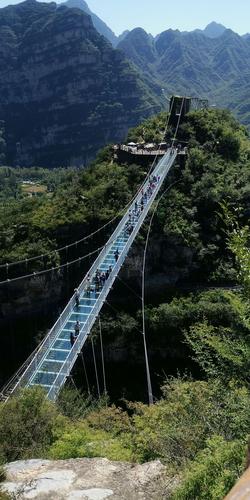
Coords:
pixel 96 373
pixel 85 373
pixel 178 123
pixel 149 384
pixel 103 366
pixel 150 393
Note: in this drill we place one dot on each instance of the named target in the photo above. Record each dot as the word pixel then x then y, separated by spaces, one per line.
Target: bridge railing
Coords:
pixel 61 321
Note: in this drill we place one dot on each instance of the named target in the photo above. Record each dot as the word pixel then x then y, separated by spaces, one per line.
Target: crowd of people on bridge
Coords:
pixel 100 277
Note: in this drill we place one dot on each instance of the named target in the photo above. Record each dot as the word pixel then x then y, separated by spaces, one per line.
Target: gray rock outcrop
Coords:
pixel 85 478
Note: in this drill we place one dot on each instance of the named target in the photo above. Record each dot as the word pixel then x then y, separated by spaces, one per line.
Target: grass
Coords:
pixel 33 188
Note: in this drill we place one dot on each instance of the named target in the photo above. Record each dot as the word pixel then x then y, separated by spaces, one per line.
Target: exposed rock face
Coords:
pixel 89 479
pixel 99 25
pixel 64 91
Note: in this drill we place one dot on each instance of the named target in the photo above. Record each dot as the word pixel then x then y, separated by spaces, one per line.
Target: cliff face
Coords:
pixel 99 25
pixel 64 91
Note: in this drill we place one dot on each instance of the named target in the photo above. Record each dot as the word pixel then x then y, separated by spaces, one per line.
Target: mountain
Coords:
pixel 217 68
pixel 214 30
pixel 64 91
pixel 122 36
pixel 99 25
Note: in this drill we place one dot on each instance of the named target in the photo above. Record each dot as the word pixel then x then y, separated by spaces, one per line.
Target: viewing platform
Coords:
pixel 143 154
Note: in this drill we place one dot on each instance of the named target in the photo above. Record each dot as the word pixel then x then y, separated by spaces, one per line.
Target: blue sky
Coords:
pixel 157 15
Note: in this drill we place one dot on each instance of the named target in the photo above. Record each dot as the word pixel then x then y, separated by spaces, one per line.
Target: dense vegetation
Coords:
pixel 187 222
pixel 194 64
pixel 96 91
pixel 199 427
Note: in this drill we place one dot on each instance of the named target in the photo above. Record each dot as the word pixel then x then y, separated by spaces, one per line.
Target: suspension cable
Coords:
pixel 52 269
pixel 149 384
pixel 129 287
pixel 163 135
pixel 66 247
pixel 150 394
pixel 85 373
pixel 178 123
pixel 103 366
pixel 7 265
pixel 95 366
pixel 79 259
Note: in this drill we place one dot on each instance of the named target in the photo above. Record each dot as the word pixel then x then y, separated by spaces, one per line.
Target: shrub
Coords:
pixel 27 423
pixel 214 471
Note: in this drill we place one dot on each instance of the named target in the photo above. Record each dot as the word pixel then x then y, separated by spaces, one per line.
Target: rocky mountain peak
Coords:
pixel 214 30
pixel 99 25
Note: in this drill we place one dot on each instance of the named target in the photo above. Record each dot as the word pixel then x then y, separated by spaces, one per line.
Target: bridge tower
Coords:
pixel 181 105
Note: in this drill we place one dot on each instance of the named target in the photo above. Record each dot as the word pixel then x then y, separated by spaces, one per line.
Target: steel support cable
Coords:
pixel 103 365
pixel 85 238
pixel 178 123
pixel 66 247
pixel 56 268
pixel 129 287
pixel 95 366
pixel 85 373
pixel 163 135
pixel 73 382
pixel 149 384
pixel 118 312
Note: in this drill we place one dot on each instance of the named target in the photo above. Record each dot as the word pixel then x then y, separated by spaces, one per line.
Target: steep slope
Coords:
pixel 196 63
pixel 214 30
pixel 122 36
pixel 64 91
pixel 99 25
pixel 140 48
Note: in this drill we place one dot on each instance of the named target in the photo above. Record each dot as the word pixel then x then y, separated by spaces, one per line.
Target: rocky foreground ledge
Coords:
pixel 86 478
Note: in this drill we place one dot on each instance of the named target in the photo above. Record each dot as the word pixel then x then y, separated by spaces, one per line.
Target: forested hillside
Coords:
pixel 65 92
pixel 188 221
pixel 195 64
pixel 199 424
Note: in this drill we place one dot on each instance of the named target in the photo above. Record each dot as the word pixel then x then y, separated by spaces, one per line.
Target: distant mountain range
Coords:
pixel 213 63
pixel 212 30
pixel 65 91
pixel 195 64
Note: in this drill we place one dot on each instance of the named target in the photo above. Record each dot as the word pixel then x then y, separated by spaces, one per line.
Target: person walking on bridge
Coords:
pixel 77 297
pixel 116 254
pixel 72 338
pixel 77 328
